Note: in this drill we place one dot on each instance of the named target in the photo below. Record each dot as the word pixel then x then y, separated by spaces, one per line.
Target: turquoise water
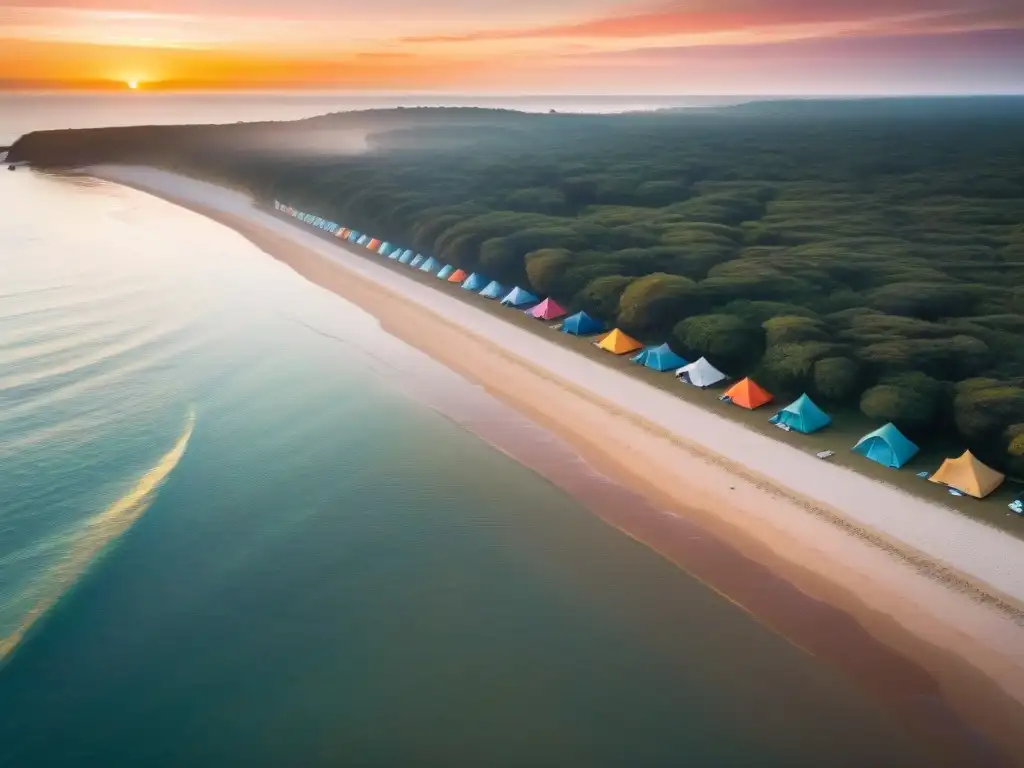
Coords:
pixel 252 541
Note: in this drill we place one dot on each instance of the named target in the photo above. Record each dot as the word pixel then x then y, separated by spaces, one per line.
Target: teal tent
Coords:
pixel 418 259
pixel 431 265
pixel 887 446
pixel 406 257
pixel 446 271
pixel 518 297
pixel 363 240
pixel 395 253
pixel 581 324
pixel 385 249
pixel 475 282
pixel 802 415
pixel 660 358
pixel 353 236
pixel 494 290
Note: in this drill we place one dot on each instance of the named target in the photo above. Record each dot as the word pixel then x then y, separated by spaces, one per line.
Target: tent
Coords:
pixel 385 249
pixel 343 232
pixel 430 266
pixel 747 394
pixel 418 259
pixel 700 374
pixel 968 475
pixel 493 290
pixel 886 445
pixel 353 236
pixel 659 358
pixel 548 309
pixel 457 276
pixel 475 282
pixel 374 244
pixel 406 257
pixel 518 297
pixel 581 324
pixel 445 272
pixel 618 343
pixel 802 415
pixel 363 240
pixel 395 253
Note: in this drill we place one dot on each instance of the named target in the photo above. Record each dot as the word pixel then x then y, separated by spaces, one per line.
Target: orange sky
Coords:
pixel 690 46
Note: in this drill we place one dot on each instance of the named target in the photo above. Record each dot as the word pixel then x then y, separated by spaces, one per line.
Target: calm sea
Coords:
pixel 237 528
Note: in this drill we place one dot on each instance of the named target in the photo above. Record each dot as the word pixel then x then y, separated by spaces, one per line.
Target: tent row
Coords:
pixel 886 445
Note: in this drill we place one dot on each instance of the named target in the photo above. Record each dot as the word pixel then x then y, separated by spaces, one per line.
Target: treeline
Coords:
pixel 869 253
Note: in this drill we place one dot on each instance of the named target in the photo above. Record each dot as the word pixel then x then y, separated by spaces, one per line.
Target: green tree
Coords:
pixel 793 329
pixel 836 378
pixel 913 402
pixel 546 268
pixel 655 302
pixel 729 341
pixel 601 296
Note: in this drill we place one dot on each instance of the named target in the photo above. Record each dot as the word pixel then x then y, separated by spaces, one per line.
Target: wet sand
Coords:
pixel 937 646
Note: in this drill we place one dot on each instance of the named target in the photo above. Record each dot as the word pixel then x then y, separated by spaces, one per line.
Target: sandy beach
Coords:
pixel 910 597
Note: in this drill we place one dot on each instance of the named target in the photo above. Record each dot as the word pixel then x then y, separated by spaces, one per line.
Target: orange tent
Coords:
pixel 618 343
pixel 373 245
pixel 747 394
pixel 457 276
pixel 968 475
pixel 344 232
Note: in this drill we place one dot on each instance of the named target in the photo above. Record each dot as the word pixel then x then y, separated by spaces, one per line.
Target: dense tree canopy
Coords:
pixel 869 252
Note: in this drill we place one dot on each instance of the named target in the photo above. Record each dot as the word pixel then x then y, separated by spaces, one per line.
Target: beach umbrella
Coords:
pixel 518 297
pixel 581 324
pixel 445 272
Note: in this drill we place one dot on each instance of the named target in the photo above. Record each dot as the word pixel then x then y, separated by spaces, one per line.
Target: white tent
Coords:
pixel 700 374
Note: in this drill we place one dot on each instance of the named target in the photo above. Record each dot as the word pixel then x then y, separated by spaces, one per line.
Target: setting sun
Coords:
pixel 133 84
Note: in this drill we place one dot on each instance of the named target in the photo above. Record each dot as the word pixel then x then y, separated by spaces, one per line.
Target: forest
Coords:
pixel 870 253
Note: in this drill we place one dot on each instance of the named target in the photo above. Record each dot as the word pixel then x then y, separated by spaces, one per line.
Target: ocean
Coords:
pixel 240 524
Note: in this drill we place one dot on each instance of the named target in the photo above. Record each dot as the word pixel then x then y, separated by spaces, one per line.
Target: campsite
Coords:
pixel 864 254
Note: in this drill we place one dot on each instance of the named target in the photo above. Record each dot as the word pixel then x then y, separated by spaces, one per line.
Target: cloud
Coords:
pixel 714 16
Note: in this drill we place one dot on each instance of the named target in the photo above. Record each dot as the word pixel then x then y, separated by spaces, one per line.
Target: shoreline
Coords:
pixel 857 583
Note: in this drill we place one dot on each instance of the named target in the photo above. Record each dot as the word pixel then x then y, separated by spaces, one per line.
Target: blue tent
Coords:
pixel 363 240
pixel 405 258
pixel 417 260
pixel 886 445
pixel 385 249
pixel 581 324
pixel 660 358
pixel 395 253
pixel 446 271
pixel 431 265
pixel 475 282
pixel 494 290
pixel 802 415
pixel 353 236
pixel 518 297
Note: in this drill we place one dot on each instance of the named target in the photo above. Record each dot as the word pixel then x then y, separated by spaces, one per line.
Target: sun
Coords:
pixel 133 84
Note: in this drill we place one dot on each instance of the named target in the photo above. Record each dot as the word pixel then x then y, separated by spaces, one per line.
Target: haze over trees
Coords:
pixel 870 253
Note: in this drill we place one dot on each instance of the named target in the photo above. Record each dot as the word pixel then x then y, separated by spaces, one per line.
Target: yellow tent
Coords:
pixel 968 475
pixel 619 343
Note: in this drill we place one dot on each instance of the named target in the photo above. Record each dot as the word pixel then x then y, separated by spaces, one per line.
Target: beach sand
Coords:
pixel 921 606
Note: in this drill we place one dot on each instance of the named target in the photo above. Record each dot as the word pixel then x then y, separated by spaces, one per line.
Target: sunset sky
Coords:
pixel 587 46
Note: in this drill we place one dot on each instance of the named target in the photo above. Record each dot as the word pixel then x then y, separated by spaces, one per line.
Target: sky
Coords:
pixel 699 47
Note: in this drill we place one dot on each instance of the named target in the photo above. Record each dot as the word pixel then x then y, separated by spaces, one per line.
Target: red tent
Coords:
pixel 747 394
pixel 548 309
pixel 373 245
pixel 457 276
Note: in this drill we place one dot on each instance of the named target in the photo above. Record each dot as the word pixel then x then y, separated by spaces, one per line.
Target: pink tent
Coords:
pixel 547 310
